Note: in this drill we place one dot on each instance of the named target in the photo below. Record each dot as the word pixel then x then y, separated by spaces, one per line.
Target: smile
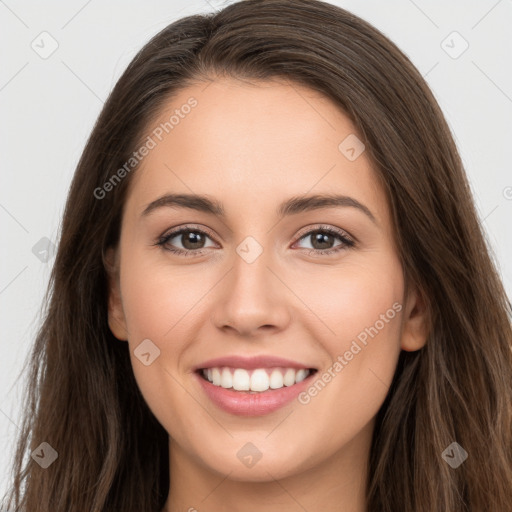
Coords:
pixel 257 380
pixel 252 386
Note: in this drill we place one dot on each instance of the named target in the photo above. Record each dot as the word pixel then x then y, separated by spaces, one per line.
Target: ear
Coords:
pixel 416 322
pixel 116 318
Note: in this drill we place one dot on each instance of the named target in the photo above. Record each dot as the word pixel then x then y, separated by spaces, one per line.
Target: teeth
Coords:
pixel 241 380
pixel 276 380
pixel 258 380
pixel 289 377
pixel 216 378
pixel 301 375
pixel 226 379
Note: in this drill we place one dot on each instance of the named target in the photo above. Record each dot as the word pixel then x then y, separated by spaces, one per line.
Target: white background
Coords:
pixel 48 107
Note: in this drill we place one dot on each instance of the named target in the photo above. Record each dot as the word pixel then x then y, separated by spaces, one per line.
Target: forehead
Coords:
pixel 252 145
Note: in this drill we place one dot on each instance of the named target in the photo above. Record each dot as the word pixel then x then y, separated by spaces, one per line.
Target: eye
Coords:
pixel 322 239
pixel 191 239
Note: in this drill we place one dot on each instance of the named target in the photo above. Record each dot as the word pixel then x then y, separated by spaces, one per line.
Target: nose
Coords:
pixel 253 299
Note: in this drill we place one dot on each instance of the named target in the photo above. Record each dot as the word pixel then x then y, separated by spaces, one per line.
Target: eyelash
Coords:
pixel 347 243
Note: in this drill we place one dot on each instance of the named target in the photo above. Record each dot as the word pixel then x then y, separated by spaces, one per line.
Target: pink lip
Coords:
pixel 251 363
pixel 243 403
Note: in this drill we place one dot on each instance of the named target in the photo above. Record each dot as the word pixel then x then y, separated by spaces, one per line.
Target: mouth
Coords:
pixel 254 381
pixel 253 392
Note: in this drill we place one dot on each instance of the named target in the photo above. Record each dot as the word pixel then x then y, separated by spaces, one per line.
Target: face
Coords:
pixel 316 286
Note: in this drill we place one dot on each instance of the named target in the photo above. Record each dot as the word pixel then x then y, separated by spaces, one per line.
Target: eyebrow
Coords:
pixel 292 206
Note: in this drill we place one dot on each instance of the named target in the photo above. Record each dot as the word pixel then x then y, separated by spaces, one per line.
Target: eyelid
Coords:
pixel 325 227
pixel 187 227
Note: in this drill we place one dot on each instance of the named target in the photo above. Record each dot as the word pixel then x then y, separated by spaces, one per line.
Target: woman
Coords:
pixel 252 372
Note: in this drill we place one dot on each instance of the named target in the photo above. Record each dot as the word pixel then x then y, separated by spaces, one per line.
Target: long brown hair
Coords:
pixel 82 397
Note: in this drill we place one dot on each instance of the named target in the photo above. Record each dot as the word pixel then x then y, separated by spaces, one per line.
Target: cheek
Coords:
pixel 347 301
pixel 158 304
pixel 157 298
pixel 361 315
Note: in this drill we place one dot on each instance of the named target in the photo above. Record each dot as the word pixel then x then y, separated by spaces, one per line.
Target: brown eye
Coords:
pixel 192 241
pixel 323 238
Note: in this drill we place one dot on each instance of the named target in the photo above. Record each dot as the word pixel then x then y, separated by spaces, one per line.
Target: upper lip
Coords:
pixel 251 363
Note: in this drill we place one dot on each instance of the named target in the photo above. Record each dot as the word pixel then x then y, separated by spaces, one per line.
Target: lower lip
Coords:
pixel 252 404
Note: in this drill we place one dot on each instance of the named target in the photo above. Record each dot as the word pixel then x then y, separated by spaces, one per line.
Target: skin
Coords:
pixel 252 146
